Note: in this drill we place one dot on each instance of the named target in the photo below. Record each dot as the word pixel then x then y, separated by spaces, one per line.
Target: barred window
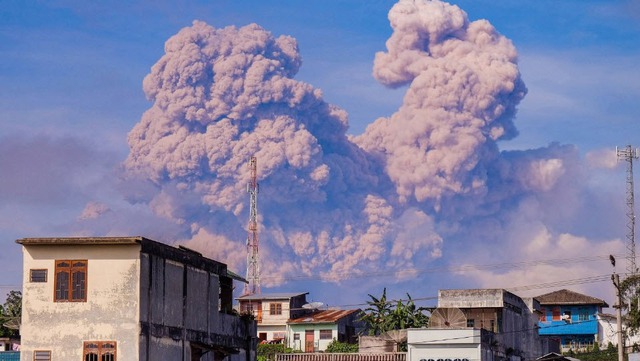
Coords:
pixel 99 351
pixel 41 355
pixel 326 334
pixel 38 275
pixel 71 281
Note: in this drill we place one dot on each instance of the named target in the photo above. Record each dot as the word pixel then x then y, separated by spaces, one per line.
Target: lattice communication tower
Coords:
pixel 628 154
pixel 253 259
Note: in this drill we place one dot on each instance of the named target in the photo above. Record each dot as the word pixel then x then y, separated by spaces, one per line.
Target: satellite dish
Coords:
pixel 312 305
pixel 447 318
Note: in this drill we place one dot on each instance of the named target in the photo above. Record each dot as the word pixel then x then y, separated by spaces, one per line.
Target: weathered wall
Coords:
pixel 375 344
pixel 111 312
pixel 180 308
pixel 269 319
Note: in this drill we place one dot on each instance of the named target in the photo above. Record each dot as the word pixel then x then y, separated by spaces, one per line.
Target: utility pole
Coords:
pixel 616 283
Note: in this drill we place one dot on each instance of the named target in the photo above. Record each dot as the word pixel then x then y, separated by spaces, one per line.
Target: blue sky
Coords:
pixel 71 90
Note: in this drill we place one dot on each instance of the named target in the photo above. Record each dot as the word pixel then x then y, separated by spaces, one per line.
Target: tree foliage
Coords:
pixel 341 347
pixel 630 293
pixel 268 351
pixel 10 314
pixel 381 315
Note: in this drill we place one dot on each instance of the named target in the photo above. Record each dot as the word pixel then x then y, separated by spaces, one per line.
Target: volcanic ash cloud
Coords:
pixel 221 96
pixel 331 205
pixel 464 84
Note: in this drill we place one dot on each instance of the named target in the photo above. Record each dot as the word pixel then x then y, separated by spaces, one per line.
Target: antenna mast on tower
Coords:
pixel 253 266
pixel 628 154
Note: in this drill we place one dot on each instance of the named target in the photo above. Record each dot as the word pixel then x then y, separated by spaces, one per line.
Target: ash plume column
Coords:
pixel 464 85
pixel 333 205
pixel 253 258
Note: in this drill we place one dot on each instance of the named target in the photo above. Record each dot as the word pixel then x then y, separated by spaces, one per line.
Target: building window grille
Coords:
pixel 99 351
pixel 41 355
pixel 326 334
pixel 583 315
pixel 71 281
pixel 38 275
pixel 471 322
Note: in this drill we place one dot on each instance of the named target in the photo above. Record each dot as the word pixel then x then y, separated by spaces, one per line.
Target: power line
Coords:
pixel 449 269
pixel 570 282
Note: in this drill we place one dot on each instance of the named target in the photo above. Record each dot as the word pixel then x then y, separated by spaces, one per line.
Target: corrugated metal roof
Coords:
pixel 566 297
pixel 327 316
pixel 271 296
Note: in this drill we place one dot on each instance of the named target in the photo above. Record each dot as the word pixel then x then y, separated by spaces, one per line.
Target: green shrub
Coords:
pixel 267 351
pixel 341 347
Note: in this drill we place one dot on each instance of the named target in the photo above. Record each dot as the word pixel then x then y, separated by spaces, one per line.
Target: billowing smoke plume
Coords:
pixel 464 85
pixel 332 205
pixel 223 95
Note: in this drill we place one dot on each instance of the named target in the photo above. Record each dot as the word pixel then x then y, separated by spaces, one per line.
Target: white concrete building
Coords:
pixel 608 333
pixel 272 311
pixel 314 332
pixel 466 344
pixel 127 298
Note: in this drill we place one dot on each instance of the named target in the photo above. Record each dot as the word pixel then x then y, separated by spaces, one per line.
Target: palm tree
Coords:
pixel 377 314
pixel 380 317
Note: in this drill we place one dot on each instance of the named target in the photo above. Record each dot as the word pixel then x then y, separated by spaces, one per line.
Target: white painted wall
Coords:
pixel 426 344
pixel 608 332
pixel 111 312
pixel 320 345
pixel 269 319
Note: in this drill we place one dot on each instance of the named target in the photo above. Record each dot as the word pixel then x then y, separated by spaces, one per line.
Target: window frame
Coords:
pixel 275 308
pixel 100 347
pixel 71 270
pixel 37 356
pixel 33 270
pixel 323 334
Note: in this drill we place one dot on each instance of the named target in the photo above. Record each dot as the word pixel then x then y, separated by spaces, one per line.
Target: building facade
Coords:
pixel 314 332
pixel 272 311
pixel 127 298
pixel 571 318
pixel 468 344
pixel 511 321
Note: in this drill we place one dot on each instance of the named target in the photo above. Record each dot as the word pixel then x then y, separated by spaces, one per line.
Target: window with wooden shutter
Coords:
pixel 71 281
pixel 275 308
